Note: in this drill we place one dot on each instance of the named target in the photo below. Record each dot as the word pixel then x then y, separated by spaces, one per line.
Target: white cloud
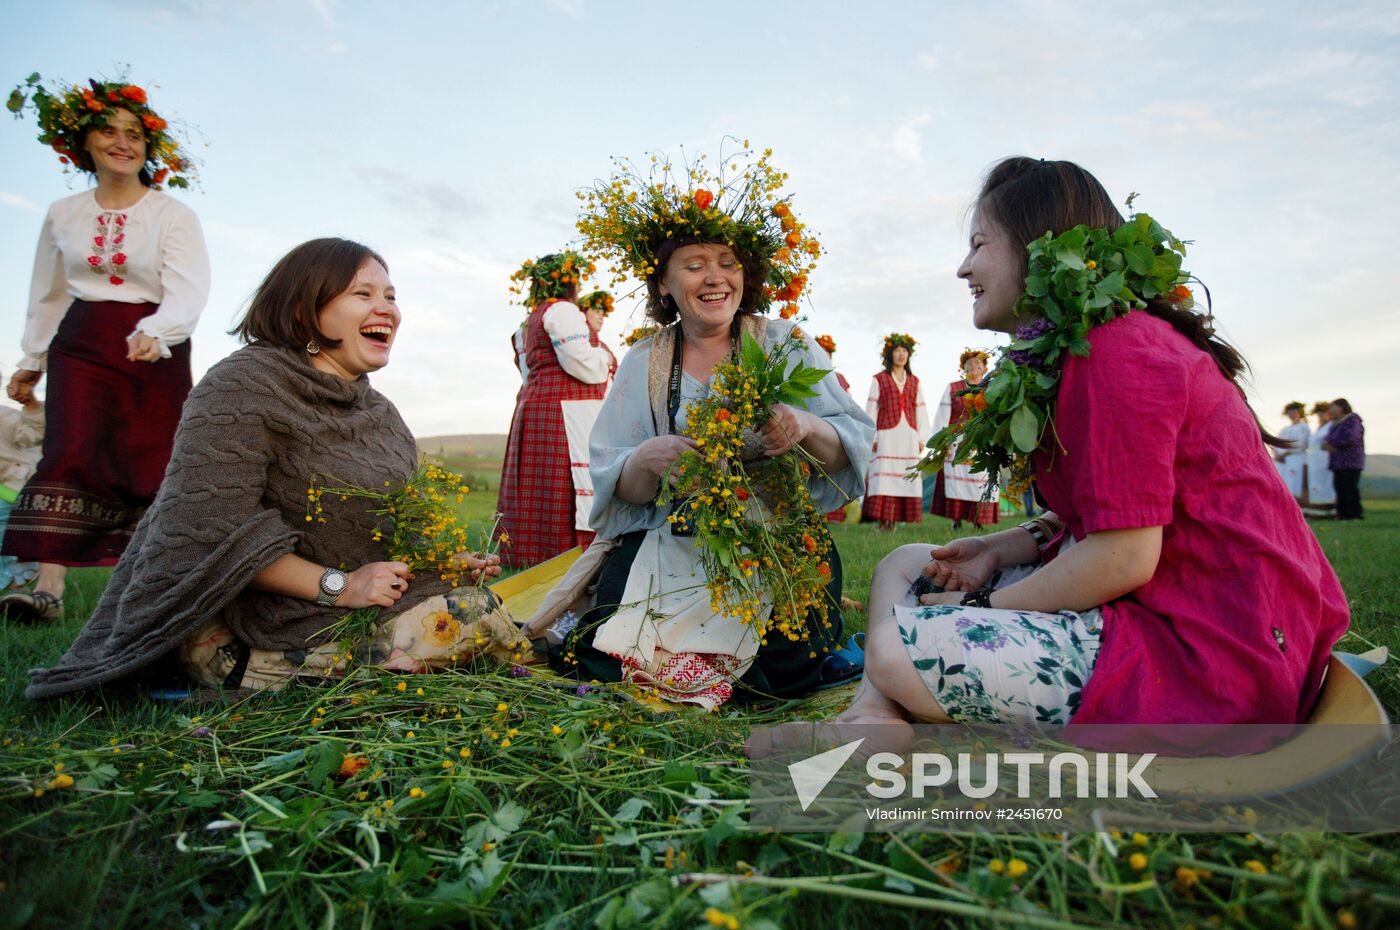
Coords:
pixel 322 8
pixel 20 203
pixel 907 141
pixel 573 8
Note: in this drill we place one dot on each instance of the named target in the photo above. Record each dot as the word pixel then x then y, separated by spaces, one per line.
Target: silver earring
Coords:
pixel 312 348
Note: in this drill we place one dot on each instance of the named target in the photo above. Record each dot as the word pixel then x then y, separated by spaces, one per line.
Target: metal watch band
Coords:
pixel 326 596
pixel 1037 531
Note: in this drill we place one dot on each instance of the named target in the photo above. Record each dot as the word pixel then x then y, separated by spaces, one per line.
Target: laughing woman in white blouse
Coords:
pixel 121 276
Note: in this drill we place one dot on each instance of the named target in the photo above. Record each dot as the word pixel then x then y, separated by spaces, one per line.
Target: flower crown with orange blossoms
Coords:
pixel 899 339
pixel 827 343
pixel 67 112
pixel 598 300
pixel 553 276
pixel 968 354
pixel 640 333
pixel 626 219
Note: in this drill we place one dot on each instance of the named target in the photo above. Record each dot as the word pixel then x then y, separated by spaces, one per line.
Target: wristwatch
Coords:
pixel 333 582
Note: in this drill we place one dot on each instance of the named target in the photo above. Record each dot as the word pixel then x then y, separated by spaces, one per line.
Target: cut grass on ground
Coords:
pixel 479 799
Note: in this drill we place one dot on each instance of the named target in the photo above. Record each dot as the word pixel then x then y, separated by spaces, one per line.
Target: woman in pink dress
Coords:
pixel 1173 579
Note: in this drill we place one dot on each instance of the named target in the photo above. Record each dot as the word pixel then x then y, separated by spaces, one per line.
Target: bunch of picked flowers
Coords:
pixel 424 530
pixel 754 523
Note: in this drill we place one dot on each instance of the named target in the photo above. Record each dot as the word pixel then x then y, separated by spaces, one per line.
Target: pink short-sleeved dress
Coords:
pixel 1238 621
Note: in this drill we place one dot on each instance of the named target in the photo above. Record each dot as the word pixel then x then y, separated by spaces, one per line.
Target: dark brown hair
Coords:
pixel 1028 197
pixel 284 307
pixel 82 158
pixel 663 309
pixel 887 356
pixel 1342 402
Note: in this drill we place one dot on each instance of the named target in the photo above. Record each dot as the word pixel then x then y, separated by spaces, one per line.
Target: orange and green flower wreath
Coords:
pixel 779 549
pixel 626 218
pixel 898 339
pixel 597 300
pixel 552 276
pixel 1075 281
pixel 63 114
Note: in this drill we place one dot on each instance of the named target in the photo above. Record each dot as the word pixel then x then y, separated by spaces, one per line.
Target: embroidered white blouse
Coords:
pixel 568 332
pixel 152 251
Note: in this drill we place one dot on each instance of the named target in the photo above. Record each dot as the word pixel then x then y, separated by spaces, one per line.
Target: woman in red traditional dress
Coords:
pixel 958 494
pixel 902 427
pixel 120 278
pixel 545 511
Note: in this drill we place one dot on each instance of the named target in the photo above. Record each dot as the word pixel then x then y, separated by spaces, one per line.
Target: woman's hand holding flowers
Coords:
pixel 659 453
pixel 488 566
pixel 786 427
pixel 377 584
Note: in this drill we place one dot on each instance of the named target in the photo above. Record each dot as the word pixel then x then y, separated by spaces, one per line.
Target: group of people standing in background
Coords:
pixel 898 406
pixel 1322 466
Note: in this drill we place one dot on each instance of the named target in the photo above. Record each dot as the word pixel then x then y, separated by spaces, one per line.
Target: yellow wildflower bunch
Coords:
pixel 640 333
pixel 736 200
pixel 424 531
pixel 752 516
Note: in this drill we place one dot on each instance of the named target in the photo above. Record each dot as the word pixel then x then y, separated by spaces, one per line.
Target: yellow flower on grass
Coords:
pixel 1137 861
pixel 718 918
pixel 1016 868
pixel 502 708
pixel 410 734
pixel 465 753
pixel 416 792
pixel 505 743
pixel 556 730
pixel 60 781
pixel 996 866
pixel 401 686
pixel 1140 839
pixel 1257 867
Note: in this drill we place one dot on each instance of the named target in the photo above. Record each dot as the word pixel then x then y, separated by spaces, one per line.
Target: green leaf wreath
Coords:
pixel 1075 281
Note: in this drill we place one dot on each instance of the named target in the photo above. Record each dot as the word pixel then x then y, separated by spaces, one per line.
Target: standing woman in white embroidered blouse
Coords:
pixel 121 276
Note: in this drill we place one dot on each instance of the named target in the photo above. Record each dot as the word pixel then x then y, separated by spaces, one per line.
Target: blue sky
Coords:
pixel 452 138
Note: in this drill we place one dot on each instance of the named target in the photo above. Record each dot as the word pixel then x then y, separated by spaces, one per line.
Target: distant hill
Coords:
pixel 477 457
pixel 483 446
pixel 1381 477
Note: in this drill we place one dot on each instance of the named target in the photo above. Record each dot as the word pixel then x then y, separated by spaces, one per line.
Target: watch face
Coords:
pixel 333 582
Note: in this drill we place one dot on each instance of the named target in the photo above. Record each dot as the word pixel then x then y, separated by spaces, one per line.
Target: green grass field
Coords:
pixel 576 811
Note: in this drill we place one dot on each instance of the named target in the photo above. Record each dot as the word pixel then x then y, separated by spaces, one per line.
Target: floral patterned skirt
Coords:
pixel 441 632
pixel 990 665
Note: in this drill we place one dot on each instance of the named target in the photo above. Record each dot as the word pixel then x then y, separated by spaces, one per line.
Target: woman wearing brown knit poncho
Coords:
pixel 225 567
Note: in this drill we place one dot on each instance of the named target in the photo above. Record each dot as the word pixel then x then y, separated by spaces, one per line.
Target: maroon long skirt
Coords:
pixel 109 426
pixel 978 513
